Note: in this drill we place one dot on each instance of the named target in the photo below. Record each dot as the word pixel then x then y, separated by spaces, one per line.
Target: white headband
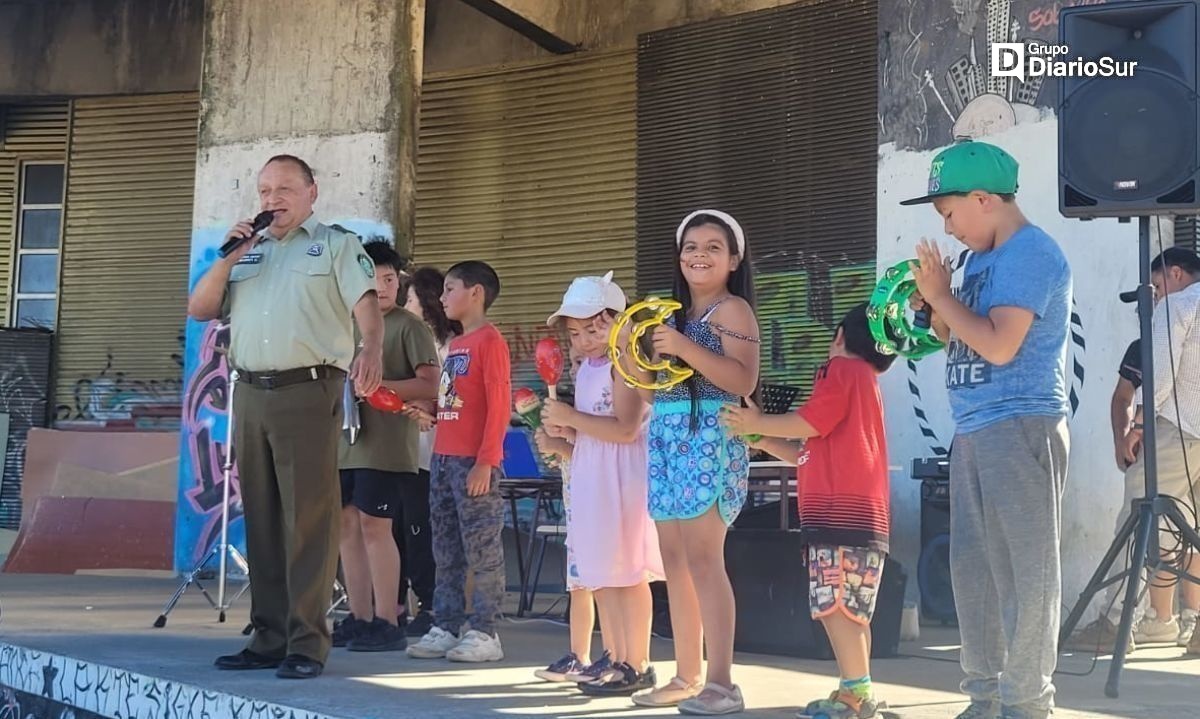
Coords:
pixel 738 235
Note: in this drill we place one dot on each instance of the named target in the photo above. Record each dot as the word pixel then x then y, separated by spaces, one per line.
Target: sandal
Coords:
pixel 842 706
pixel 714 700
pixel 669 694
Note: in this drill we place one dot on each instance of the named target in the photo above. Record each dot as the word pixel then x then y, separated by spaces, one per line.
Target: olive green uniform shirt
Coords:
pixel 289 301
pixel 389 441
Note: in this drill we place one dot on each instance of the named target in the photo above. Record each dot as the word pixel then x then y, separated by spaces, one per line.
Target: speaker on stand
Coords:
pixel 1127 146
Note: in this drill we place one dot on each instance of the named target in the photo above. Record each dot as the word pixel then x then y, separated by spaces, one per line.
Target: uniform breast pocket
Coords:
pixel 244 271
pixel 314 267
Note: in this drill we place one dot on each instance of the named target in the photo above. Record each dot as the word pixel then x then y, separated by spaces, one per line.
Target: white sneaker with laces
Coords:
pixel 434 645
pixel 477 647
pixel 1151 630
pixel 1187 625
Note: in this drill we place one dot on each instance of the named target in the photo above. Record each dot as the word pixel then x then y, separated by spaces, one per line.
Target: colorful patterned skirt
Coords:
pixel 690 471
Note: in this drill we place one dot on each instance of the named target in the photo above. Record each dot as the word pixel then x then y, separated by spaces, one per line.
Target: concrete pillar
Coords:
pixel 336 83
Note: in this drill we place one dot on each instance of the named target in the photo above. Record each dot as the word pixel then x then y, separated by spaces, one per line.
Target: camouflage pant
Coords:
pixel 466 537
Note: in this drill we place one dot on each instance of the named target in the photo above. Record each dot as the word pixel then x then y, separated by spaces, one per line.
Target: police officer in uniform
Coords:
pixel 290 299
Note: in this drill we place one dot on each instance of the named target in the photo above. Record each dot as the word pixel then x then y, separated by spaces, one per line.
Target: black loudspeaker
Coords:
pixel 1128 145
pixel 769 574
pixel 933 566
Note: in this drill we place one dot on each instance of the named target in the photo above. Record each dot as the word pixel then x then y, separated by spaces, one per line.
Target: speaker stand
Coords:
pixel 1148 512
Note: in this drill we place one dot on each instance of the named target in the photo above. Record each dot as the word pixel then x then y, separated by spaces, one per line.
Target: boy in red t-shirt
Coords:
pixel 466 512
pixel 842 482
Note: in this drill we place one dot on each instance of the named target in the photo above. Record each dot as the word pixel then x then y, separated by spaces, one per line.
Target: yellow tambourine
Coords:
pixel 660 310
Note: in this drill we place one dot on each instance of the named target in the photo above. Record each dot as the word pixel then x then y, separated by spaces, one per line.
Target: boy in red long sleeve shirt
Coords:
pixel 466 512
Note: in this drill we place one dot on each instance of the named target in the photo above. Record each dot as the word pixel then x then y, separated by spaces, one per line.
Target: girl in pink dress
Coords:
pixel 612 538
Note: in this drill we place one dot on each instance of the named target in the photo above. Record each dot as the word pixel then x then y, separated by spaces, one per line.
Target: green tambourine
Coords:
pixel 887 311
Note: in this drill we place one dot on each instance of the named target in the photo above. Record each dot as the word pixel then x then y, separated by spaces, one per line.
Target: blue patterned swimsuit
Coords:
pixel 691 470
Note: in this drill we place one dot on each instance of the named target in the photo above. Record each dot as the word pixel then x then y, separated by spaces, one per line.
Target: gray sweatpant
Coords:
pixel 1006 485
pixel 466 538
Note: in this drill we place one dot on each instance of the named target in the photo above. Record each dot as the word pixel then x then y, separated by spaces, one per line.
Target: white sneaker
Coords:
pixel 476 647
pixel 434 645
pixel 1153 631
pixel 1187 625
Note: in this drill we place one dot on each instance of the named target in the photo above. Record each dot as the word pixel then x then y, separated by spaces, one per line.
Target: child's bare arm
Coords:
pixel 783 449
pixel 736 370
pixel 623 427
pixel 553 445
pixel 751 420
pixel 997 337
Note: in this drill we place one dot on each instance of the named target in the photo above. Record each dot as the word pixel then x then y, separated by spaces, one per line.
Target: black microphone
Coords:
pixel 261 222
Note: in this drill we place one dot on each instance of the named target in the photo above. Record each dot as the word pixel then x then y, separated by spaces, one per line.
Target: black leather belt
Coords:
pixel 287 377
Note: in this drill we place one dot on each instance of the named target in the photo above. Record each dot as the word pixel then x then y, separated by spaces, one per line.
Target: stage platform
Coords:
pixel 86 642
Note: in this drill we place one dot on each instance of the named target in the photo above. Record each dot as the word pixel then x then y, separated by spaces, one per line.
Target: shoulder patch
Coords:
pixel 367 265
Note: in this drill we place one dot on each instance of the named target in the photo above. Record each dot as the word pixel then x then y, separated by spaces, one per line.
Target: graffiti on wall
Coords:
pixel 43 685
pixel 22 705
pixel 934 80
pixel 204 431
pixel 111 394
pixel 24 401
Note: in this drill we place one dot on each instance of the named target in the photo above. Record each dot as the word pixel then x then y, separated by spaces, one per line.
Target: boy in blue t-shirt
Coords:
pixel 1006 332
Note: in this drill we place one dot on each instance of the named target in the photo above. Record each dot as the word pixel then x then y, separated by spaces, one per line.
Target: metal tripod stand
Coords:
pixel 222 549
pixel 1148 512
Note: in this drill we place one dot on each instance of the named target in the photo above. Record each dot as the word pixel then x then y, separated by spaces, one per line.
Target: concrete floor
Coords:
pixel 107 620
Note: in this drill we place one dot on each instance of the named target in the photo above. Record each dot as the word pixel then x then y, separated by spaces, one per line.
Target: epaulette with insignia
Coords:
pixel 345 231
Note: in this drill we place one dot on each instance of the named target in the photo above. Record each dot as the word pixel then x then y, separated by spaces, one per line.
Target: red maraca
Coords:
pixel 549 359
pixel 386 400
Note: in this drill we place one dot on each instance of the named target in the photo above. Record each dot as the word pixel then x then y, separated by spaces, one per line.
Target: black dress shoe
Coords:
pixel 246 659
pixel 298 666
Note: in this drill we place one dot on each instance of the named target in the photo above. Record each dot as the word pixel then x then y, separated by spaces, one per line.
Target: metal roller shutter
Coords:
pixel 27 132
pixel 123 299
pixel 770 116
pixel 8 201
pixel 530 169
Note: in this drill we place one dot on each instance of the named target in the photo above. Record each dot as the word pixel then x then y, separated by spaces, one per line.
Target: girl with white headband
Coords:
pixel 698 470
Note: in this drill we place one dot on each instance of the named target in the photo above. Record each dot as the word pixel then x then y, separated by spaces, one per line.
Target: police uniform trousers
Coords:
pixel 286 446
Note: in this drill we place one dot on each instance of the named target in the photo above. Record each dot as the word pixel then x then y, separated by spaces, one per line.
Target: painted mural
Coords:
pixel 934 82
pixel 24 394
pixel 40 685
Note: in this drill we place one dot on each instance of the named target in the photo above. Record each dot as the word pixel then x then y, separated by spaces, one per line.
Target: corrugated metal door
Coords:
pixel 530 169
pixel 123 297
pixel 771 117
pixel 27 132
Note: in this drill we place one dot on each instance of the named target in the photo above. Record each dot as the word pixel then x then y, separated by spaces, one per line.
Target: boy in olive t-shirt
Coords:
pixel 374 469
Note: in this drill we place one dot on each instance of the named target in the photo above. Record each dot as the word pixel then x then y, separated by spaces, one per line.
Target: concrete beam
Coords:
pixel 99 47
pixel 545 23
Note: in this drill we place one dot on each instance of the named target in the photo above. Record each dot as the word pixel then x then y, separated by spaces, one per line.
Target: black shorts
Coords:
pixel 373 491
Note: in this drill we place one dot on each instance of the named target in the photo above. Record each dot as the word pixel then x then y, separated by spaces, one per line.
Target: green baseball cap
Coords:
pixel 966 166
